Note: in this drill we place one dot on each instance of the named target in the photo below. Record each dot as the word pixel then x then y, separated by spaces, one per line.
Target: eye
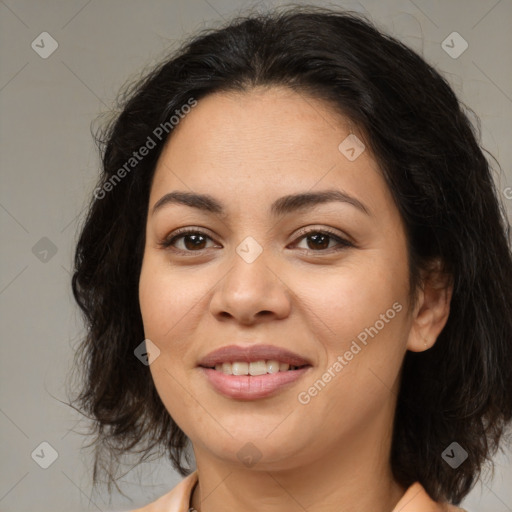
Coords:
pixel 193 240
pixel 319 240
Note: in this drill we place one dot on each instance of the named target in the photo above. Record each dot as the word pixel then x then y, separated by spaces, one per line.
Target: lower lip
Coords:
pixel 251 387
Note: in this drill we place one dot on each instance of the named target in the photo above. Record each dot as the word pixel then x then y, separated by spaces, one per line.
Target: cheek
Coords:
pixel 354 298
pixel 169 303
pixel 359 315
pixel 168 299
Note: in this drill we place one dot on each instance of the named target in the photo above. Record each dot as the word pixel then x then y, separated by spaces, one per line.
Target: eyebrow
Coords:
pixel 282 206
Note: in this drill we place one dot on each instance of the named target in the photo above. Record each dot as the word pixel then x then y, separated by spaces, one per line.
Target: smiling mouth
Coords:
pixel 254 368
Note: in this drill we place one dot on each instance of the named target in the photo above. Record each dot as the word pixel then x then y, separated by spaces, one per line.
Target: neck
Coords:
pixel 352 477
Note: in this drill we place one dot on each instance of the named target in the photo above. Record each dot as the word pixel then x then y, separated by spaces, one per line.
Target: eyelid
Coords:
pixel 167 241
pixel 343 240
pixel 347 240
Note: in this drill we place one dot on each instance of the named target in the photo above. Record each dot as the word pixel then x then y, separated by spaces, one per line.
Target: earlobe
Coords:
pixel 431 311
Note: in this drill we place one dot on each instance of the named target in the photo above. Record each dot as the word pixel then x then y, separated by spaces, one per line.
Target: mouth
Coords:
pixel 255 368
pixel 252 387
pixel 252 360
pixel 252 372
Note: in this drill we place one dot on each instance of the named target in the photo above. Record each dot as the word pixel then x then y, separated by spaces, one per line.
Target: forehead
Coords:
pixel 264 123
pixel 260 142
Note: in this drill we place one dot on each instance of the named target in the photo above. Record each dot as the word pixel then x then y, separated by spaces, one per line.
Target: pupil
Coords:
pixel 318 240
pixel 321 236
pixel 196 241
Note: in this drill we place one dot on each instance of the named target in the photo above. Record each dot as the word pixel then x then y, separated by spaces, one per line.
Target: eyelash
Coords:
pixel 168 242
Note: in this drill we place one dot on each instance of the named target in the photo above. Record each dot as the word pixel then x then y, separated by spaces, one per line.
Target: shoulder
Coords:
pixel 416 499
pixel 452 508
pixel 176 500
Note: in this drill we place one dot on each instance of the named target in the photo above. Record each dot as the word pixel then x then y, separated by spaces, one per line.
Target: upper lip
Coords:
pixel 252 353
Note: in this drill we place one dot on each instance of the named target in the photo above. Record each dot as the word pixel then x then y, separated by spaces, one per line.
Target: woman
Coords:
pixel 295 258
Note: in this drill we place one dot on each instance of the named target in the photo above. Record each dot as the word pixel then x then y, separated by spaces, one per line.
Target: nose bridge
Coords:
pixel 251 286
pixel 251 265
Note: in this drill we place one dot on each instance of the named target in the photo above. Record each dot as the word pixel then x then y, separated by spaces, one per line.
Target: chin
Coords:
pixel 259 451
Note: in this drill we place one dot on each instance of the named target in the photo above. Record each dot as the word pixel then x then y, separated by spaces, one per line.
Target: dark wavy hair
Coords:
pixel 428 150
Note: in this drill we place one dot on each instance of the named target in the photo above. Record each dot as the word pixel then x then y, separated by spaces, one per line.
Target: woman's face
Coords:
pixel 250 276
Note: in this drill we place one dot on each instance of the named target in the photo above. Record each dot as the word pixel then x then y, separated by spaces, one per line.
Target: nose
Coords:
pixel 251 292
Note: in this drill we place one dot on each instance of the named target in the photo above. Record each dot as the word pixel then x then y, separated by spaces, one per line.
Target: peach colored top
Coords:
pixel 415 499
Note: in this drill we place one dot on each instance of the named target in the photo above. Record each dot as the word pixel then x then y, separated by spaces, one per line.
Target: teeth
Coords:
pixel 255 368
pixel 272 366
pixel 258 368
pixel 240 368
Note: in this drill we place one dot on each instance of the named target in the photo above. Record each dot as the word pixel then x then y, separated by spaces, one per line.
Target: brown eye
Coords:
pixel 196 241
pixel 193 241
pixel 318 241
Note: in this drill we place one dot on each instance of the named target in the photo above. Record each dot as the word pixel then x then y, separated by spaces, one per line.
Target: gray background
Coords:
pixel 49 166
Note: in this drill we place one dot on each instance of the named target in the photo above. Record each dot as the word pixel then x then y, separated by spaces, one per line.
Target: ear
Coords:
pixel 432 308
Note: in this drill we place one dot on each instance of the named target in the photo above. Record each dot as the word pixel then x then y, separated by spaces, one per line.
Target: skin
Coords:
pixel 331 454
